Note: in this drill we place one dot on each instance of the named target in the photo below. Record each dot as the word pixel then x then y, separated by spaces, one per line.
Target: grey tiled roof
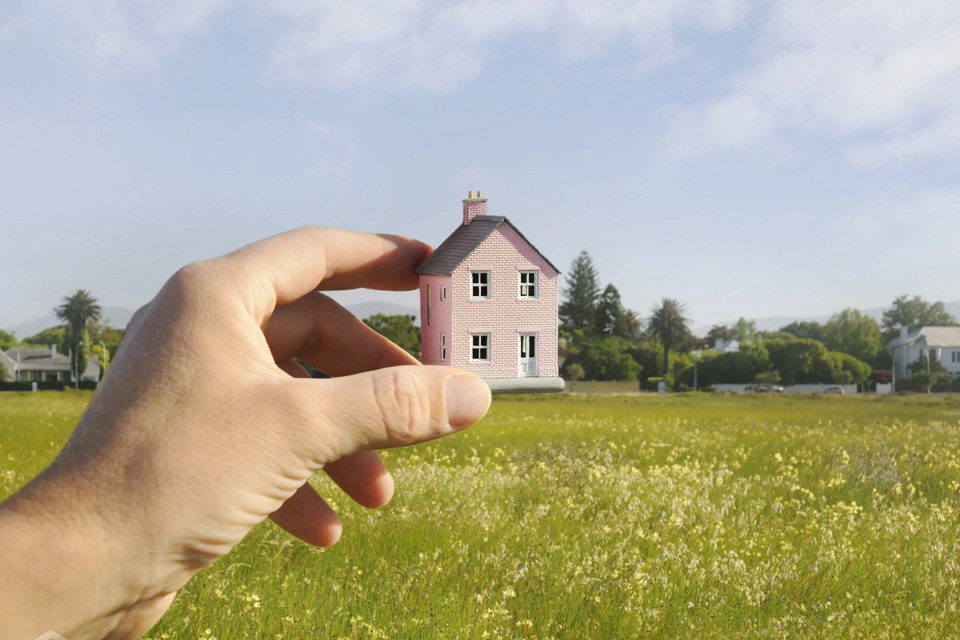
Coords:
pixel 38 359
pixel 461 244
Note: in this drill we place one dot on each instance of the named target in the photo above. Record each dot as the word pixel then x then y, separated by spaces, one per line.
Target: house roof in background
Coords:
pixel 930 337
pixel 463 241
pixel 38 359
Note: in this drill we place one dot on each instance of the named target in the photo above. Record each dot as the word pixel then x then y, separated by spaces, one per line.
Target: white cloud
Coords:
pixel 921 229
pixel 422 44
pixel 112 35
pixel 436 45
pixel 883 76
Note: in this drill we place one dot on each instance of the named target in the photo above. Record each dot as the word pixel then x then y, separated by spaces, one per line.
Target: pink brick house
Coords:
pixel 488 304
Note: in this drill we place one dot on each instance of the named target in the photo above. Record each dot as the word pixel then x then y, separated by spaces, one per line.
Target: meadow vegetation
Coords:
pixel 688 516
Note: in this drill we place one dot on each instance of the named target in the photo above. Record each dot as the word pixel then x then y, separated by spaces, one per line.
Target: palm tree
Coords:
pixel 669 323
pixel 76 312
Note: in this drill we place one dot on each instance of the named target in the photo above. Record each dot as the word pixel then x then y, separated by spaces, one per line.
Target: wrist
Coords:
pixel 67 571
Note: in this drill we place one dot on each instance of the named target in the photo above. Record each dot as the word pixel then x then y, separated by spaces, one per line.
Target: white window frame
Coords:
pixel 443 347
pixel 475 278
pixel 428 305
pixel 481 343
pixel 443 294
pixel 525 287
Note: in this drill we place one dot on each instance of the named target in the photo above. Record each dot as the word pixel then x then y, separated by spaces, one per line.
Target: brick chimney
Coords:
pixel 473 207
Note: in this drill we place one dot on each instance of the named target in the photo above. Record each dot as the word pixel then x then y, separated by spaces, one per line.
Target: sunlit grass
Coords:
pixel 687 516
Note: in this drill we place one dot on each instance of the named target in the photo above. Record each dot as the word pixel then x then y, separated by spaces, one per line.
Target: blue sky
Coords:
pixel 755 158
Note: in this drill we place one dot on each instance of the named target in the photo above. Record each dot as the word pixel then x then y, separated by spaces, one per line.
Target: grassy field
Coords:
pixel 678 517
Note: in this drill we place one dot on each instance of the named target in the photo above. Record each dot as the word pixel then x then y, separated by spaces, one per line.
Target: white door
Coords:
pixel 528 355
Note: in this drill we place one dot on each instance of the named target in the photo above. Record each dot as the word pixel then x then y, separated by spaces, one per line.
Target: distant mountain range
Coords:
pixel 120 317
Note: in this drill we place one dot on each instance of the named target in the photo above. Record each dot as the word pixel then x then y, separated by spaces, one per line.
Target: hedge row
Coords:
pixel 46 385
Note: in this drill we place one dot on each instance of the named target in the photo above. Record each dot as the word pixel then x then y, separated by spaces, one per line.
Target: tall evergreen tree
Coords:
pixel 76 311
pixel 579 308
pixel 613 319
pixel 669 323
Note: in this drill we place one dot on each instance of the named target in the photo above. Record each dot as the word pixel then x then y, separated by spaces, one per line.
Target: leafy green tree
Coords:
pixel 398 329
pixel 649 356
pixel 800 361
pixel 914 313
pixel 737 367
pixel 575 372
pixel 603 358
pixel 745 330
pixel 76 311
pixel 579 308
pixel 684 377
pixel 803 361
pixel 56 336
pixel 613 319
pixel 7 340
pixel 110 336
pixel 853 333
pixel 670 325
pixel 3 372
pixel 924 363
pixel 846 367
pixel 807 330
pixel 924 380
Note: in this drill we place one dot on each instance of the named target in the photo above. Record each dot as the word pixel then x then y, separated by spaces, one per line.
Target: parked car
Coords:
pixel 769 388
pixel 834 390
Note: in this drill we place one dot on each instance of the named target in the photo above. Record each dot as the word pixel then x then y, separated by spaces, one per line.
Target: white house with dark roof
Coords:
pixel 940 344
pixel 41 364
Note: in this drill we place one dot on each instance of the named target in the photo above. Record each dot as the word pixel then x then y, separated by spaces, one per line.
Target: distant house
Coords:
pixel 40 364
pixel 726 346
pixel 940 344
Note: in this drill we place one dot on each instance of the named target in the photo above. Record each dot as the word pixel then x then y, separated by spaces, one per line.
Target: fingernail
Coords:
pixel 468 398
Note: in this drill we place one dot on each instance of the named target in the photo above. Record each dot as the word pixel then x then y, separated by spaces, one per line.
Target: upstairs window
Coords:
pixel 443 294
pixel 443 347
pixel 528 284
pixel 479 284
pixel 480 346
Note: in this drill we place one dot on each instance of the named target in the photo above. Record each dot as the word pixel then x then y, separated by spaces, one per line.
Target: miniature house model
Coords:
pixel 488 304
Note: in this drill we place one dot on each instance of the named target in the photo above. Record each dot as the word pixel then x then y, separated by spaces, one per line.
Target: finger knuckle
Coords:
pixel 402 405
pixel 190 279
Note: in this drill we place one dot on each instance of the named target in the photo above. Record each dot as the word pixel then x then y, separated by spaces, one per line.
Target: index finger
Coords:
pixel 286 267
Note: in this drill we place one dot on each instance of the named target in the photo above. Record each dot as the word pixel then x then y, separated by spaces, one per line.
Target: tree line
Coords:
pixel 606 341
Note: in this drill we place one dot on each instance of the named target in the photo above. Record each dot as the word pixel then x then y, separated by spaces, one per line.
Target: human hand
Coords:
pixel 205 426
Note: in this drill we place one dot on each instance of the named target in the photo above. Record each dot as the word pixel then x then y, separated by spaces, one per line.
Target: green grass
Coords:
pixel 687 516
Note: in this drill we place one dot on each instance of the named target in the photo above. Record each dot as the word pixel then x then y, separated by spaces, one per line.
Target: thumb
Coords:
pixel 391 407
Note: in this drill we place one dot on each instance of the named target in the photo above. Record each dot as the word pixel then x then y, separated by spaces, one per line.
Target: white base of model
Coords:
pixel 525 385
